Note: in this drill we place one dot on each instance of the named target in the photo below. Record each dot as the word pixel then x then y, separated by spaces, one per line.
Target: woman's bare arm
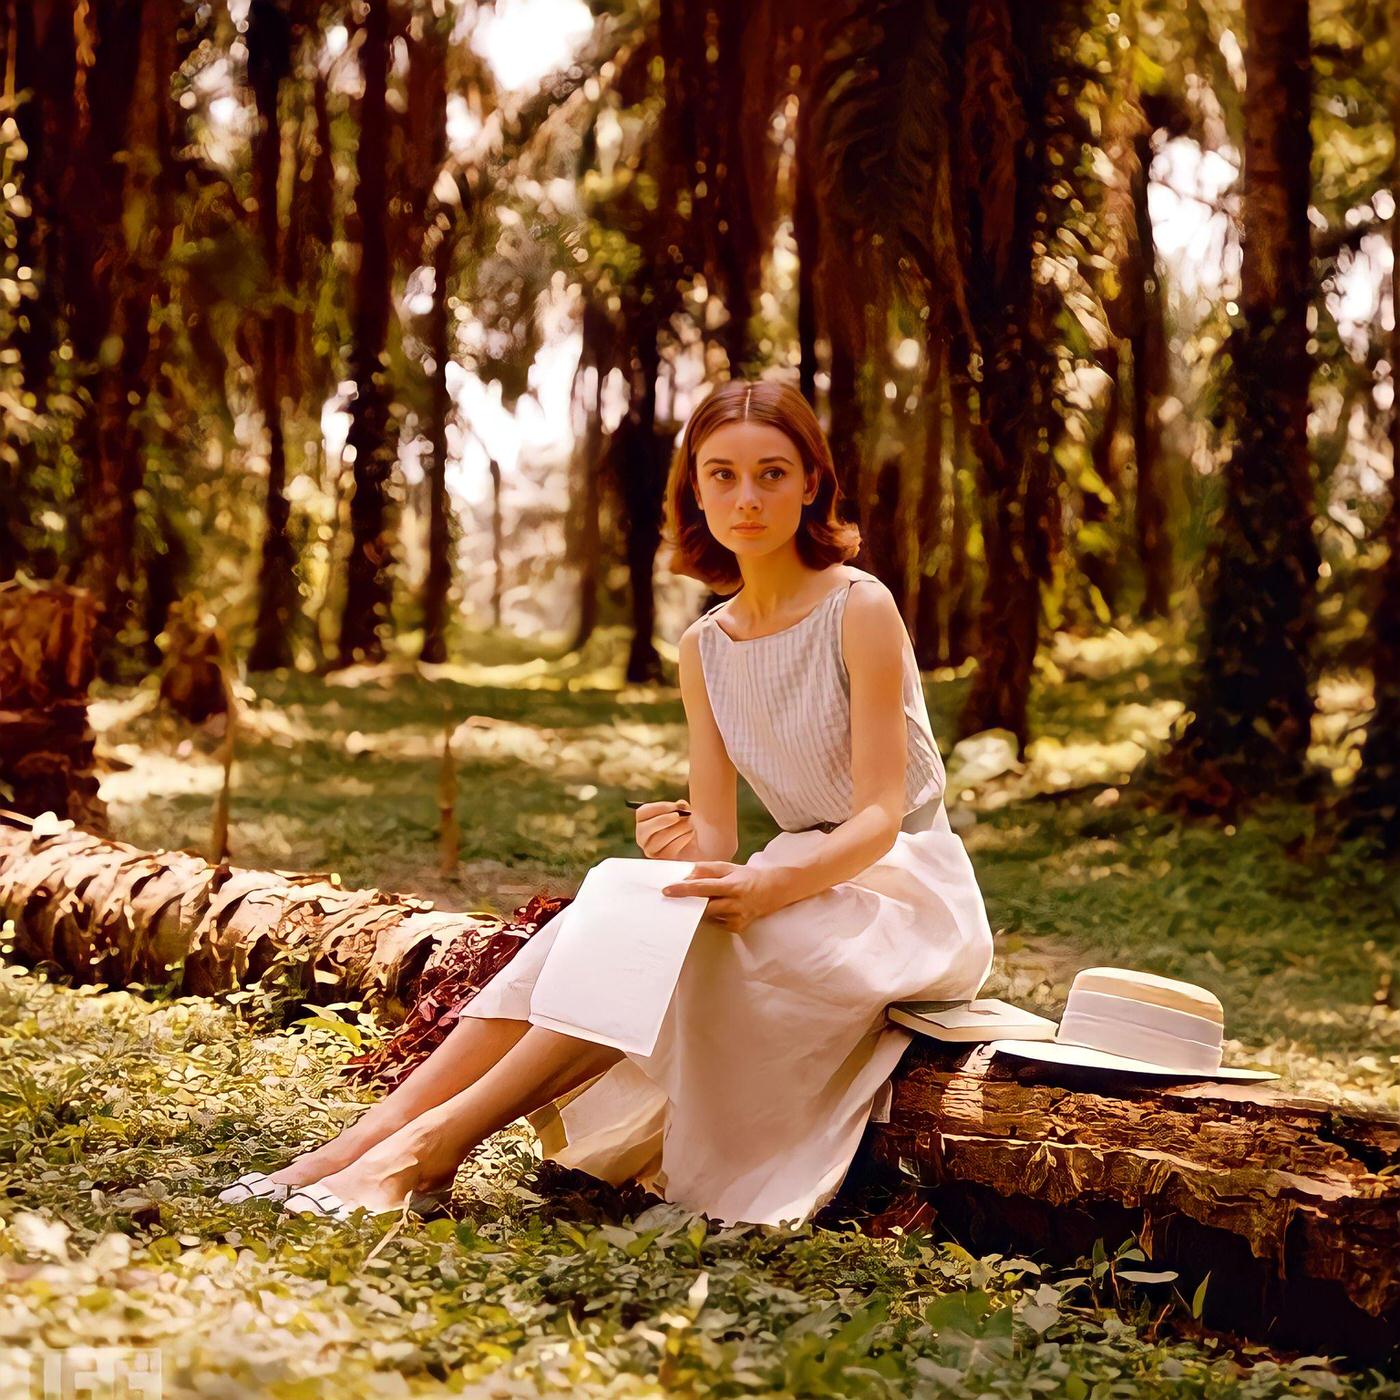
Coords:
pixel 713 780
pixel 873 639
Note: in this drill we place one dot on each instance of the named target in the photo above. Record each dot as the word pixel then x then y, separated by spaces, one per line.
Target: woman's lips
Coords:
pixel 749 529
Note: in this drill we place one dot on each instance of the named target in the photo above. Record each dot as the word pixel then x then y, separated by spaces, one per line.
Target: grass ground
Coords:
pixel 118 1111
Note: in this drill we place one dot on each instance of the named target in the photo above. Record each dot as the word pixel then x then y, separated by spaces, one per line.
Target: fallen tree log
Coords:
pixel 1291 1205
pixel 105 912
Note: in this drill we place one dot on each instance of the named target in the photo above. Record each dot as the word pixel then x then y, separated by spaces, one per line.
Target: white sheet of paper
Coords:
pixel 614 965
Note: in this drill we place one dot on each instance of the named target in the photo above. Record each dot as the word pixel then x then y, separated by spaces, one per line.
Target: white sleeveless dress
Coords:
pixel 775 1045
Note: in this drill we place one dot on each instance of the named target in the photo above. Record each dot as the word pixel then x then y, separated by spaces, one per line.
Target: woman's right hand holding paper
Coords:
pixel 666 831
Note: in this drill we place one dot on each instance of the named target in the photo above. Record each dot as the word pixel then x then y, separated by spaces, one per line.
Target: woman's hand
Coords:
pixel 665 830
pixel 738 894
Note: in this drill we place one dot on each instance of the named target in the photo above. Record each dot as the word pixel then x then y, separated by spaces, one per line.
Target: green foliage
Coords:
pixel 120 1114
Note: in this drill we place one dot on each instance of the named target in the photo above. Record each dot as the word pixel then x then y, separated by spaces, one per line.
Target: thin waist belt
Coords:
pixel 920 819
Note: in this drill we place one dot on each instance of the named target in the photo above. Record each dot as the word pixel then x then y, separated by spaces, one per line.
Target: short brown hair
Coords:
pixel 822 537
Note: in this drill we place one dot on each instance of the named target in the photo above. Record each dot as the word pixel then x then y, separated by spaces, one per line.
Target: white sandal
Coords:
pixel 321 1200
pixel 254 1186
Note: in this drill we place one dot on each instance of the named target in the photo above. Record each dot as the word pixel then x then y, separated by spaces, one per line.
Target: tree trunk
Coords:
pixel 107 912
pixel 1283 1200
pixel 368 589
pixel 38 55
pixel 930 644
pixel 1373 801
pixel 1149 384
pixel 641 460
pixel 1252 700
pixel 1096 556
pixel 167 568
pixel 438 583
pixel 1133 302
pixel 115 127
pixel 428 71
pixel 962 583
pixel 806 232
pixel 885 541
pixel 596 333
pixel 270 51
pixel 498 563
pixel 1001 139
pixel 847 426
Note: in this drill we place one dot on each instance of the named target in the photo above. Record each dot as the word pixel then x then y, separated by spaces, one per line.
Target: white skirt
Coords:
pixel 775 1045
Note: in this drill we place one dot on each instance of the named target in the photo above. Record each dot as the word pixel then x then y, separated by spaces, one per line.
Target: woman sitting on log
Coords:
pixel 775 1045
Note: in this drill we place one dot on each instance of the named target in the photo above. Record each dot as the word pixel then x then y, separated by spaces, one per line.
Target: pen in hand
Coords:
pixel 682 806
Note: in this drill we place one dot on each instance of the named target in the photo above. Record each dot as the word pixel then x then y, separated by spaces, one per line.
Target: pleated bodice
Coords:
pixel 783 706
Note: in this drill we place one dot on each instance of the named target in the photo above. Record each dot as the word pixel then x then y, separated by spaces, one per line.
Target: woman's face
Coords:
pixel 751 486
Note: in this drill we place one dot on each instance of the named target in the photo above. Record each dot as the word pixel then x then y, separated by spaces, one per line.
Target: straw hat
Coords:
pixel 1116 1018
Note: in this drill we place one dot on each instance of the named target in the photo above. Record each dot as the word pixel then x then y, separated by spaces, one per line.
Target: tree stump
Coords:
pixel 192 678
pixel 1291 1204
pixel 46 665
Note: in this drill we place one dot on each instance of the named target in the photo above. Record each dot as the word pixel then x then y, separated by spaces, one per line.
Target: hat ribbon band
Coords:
pixel 1140 1031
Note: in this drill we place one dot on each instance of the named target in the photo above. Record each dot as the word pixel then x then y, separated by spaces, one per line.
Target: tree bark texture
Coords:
pixel 1252 700
pixel 884 537
pixel 806 233
pixel 641 456
pixel 438 582
pixel 931 588
pixel 598 348
pixel 963 605
pixel 368 585
pixel 1133 302
pixel 106 912
pixel 271 44
pixel 1001 139
pixel 47 639
pixel 120 129
pixel 1149 385
pixel 38 50
pixel 1098 557
pixel 436 235
pixel 1281 1198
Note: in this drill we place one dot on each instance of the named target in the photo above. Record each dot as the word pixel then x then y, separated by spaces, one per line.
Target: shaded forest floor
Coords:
pixel 122 1109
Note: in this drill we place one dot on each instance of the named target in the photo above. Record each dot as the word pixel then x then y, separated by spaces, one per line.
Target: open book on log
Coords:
pixel 1290 1205
pixel 982 1018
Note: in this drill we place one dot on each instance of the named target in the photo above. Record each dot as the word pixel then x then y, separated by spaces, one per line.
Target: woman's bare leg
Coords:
pixel 427 1151
pixel 472 1047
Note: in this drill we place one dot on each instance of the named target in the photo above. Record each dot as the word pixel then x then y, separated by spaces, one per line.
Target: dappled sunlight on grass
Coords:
pixel 344 778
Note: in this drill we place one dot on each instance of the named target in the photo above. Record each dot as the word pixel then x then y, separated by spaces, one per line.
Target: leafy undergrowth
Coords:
pixel 120 1113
